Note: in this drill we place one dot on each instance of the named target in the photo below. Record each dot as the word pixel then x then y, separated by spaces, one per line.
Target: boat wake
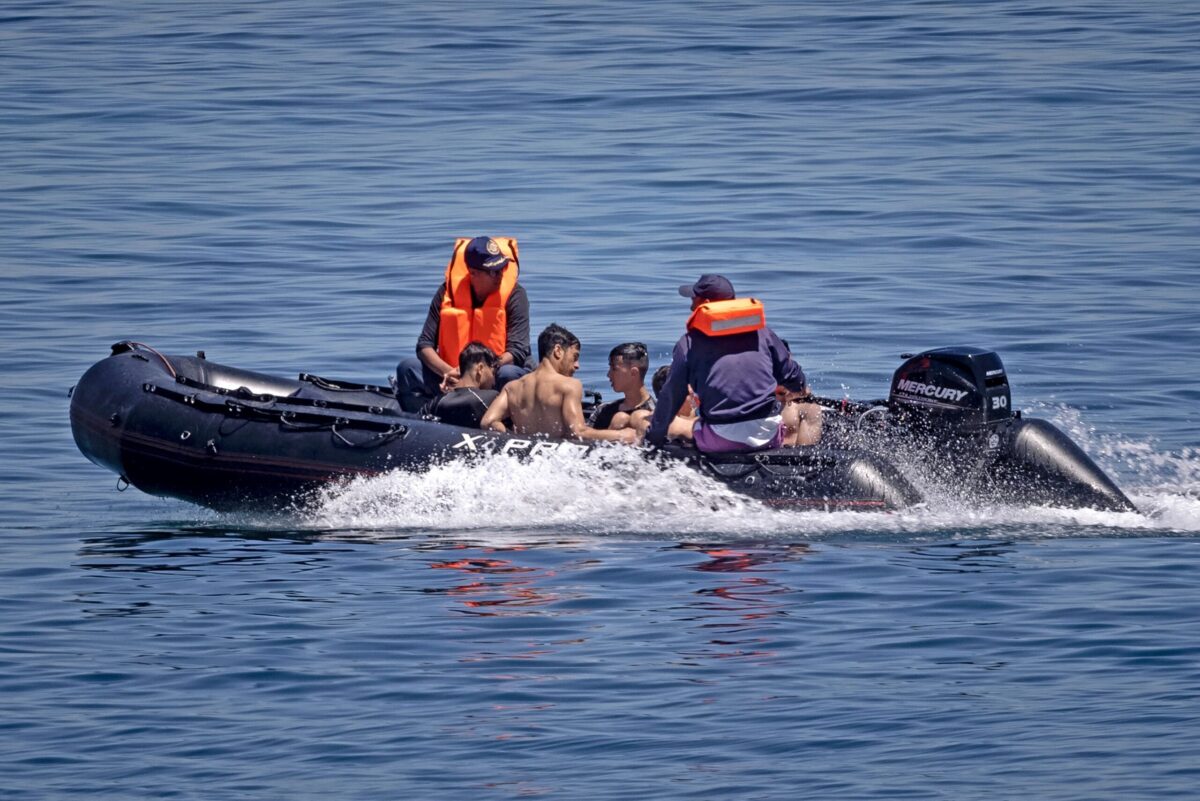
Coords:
pixel 620 493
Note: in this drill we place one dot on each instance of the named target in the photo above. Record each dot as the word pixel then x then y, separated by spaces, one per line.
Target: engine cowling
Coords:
pixel 957 390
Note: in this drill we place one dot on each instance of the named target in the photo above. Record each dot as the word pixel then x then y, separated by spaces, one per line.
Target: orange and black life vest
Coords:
pixel 461 321
pixel 719 318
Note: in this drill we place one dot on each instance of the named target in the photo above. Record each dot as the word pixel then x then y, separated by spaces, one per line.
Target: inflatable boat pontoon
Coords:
pixel 226 438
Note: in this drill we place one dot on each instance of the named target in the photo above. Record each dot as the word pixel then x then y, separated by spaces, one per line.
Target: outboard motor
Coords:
pixel 954 408
pixel 952 393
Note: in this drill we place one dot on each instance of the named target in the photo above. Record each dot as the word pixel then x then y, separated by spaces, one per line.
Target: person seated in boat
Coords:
pixel 548 401
pixel 803 408
pixel 660 378
pixel 805 428
pixel 628 364
pixel 479 300
pixel 733 362
pixel 466 404
pixel 685 418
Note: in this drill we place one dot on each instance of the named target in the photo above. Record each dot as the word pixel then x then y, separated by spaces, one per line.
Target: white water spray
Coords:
pixel 615 491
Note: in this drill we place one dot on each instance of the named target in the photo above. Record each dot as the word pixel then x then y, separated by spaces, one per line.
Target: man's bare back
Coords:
pixel 537 402
pixel 548 402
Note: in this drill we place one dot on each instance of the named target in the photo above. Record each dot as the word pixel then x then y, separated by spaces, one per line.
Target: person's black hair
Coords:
pixel 555 334
pixel 660 378
pixel 476 353
pixel 632 353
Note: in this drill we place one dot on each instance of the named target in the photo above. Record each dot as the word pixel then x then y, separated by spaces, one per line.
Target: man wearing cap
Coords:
pixel 479 301
pixel 734 364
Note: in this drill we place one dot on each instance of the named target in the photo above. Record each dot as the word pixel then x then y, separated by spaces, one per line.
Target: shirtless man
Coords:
pixel 549 401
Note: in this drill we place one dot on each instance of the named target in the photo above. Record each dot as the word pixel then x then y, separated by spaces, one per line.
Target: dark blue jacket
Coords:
pixel 735 377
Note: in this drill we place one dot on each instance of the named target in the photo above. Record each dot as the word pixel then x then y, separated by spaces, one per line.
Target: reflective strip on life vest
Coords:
pixel 749 321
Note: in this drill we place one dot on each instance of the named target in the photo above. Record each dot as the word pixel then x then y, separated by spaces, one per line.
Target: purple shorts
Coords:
pixel 710 441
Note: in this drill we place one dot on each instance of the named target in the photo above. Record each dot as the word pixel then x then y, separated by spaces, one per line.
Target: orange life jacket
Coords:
pixel 461 321
pixel 720 318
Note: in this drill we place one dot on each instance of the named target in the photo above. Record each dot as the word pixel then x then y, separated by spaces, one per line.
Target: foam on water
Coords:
pixel 610 490
pixel 615 491
pixel 1164 485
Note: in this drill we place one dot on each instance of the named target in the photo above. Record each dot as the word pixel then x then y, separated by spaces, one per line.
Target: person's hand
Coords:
pixel 450 379
pixel 628 436
pixel 787 397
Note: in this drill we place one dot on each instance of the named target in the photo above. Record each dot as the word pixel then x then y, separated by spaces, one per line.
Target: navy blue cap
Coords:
pixel 484 254
pixel 710 287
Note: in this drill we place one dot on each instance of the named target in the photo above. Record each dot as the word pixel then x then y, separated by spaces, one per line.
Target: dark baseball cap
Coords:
pixel 484 254
pixel 710 287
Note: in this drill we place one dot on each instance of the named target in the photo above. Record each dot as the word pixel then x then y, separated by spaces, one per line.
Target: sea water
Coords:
pixel 279 184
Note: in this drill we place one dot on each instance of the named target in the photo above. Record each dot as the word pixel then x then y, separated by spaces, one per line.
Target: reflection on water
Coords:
pixel 734 616
pixel 960 557
pixel 723 559
pixel 200 558
pixel 491 586
pixel 735 600
pixel 727 600
pixel 452 646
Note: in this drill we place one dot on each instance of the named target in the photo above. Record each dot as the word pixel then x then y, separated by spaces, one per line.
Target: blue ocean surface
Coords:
pixel 280 184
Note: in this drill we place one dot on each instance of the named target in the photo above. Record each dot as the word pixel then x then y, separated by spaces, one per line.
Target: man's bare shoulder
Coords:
pixel 564 386
pixel 520 386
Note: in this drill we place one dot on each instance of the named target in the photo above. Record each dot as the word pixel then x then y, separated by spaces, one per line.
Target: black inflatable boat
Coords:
pixel 188 428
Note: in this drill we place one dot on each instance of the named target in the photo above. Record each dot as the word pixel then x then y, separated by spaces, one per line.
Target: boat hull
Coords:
pixel 230 439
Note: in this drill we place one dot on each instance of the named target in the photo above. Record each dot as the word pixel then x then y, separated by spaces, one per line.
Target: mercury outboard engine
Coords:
pixel 951 408
pixel 952 393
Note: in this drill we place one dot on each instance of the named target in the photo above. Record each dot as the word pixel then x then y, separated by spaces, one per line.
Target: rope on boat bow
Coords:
pixel 128 345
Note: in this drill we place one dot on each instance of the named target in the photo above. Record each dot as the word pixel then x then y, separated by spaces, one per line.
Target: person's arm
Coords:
pixel 434 362
pixel 682 428
pixel 787 371
pixel 517 334
pixel 639 421
pixel 496 413
pixel 428 340
pixel 672 396
pixel 572 414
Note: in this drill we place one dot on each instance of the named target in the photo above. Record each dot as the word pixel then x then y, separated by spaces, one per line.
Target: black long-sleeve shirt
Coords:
pixel 517 323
